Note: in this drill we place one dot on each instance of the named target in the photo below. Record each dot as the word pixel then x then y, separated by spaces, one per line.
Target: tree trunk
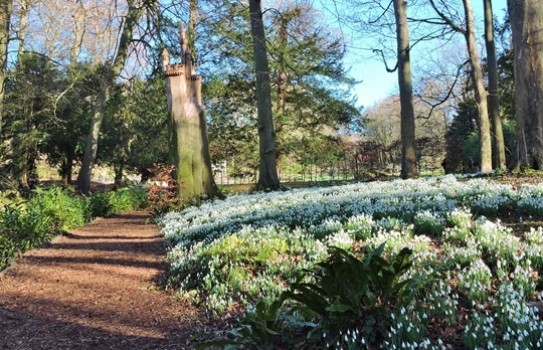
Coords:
pixel 267 177
pixel 189 148
pixel 191 34
pixel 527 27
pixel 112 72
pixel 67 166
pixel 281 88
pixel 91 144
pixel 79 32
pixel 5 15
pixel 119 170
pixel 409 154
pixel 485 145
pixel 498 149
pixel 23 24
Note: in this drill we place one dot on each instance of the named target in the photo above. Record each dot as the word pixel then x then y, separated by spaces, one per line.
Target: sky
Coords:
pixel 376 83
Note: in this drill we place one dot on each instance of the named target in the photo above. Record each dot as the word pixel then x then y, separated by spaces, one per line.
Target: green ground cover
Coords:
pixel 415 264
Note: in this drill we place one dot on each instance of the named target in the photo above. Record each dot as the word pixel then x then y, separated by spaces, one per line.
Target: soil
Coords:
pixel 95 288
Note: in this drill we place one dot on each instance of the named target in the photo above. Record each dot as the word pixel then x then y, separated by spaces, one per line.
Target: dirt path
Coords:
pixel 94 288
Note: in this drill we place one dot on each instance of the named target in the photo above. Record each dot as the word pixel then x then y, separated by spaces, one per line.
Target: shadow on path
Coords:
pixel 95 288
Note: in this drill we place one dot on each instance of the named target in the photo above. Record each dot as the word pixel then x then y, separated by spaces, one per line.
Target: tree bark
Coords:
pixel 498 149
pixel 112 72
pixel 527 27
pixel 409 154
pixel 5 15
pixel 267 177
pixel 189 148
pixel 191 34
pixel 67 166
pixel 78 17
pixel 23 24
pixel 91 144
pixel 479 89
pixel 282 85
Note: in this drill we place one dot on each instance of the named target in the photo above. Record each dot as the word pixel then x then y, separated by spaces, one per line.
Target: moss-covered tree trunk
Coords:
pixel 409 155
pixel 267 177
pixel 189 148
pixel 527 27
pixel 498 148
pixel 5 15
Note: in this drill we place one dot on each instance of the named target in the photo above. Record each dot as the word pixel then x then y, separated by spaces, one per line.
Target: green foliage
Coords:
pixel 459 152
pixel 115 202
pixel 255 264
pixel 21 229
pixel 350 293
pixel 65 135
pixel 127 199
pixel 64 211
pixel 24 225
pixel 135 130
pixel 27 111
pixel 261 329
pixel 347 293
pixel 306 64
pixel 27 223
pixel 99 205
pixel 428 223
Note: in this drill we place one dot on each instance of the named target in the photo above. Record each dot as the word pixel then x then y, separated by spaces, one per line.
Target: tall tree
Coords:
pixel 5 15
pixel 189 148
pixel 111 72
pixel 480 94
pixel 267 177
pixel 498 150
pixel 310 88
pixel 527 27
pixel 409 154
pixel 479 89
pixel 377 17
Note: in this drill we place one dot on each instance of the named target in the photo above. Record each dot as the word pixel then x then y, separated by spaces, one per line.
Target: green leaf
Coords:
pixel 339 308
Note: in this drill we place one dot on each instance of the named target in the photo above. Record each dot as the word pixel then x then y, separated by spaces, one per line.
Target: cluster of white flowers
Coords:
pixel 490 204
pixel 530 199
pixel 462 254
pixel 521 325
pixel 429 222
pixel 442 301
pixel 475 280
pixel 480 332
pixel 251 246
pixel 350 340
pixel 459 217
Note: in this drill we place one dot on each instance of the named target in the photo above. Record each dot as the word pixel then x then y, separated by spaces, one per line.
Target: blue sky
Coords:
pixel 376 83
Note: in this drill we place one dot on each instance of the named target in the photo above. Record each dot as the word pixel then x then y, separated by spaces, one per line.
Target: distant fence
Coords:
pixel 338 171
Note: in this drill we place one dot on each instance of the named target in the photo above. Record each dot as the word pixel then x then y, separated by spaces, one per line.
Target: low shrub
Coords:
pixel 21 228
pixel 27 223
pixel 99 205
pixel 64 211
pixel 115 202
pixel 127 199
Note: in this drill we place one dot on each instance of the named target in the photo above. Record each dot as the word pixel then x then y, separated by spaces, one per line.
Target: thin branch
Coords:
pixel 382 14
pixel 389 70
pixel 446 19
pixel 433 106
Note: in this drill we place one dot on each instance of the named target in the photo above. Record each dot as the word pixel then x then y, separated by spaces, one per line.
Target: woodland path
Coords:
pixel 95 288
